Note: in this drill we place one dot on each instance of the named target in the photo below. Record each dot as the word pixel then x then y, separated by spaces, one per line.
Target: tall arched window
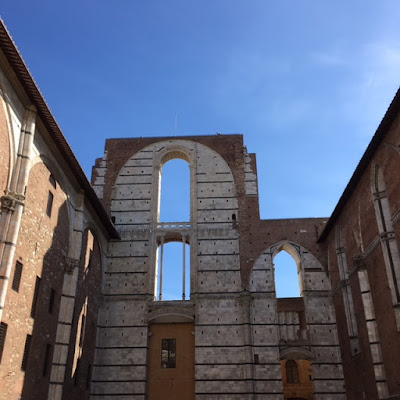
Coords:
pixel 385 226
pixel 172 278
pixel 286 277
pixel 175 191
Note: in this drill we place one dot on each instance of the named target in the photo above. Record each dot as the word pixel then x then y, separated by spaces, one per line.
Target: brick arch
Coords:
pixel 296 353
pixel 172 152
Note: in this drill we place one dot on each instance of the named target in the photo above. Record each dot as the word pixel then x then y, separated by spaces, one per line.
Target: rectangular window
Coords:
pixel 35 297
pixel 76 376
pixel 26 352
pixel 3 332
pixel 88 376
pixel 82 330
pixel 51 301
pixel 168 353
pixel 17 276
pixel 46 362
pixel 50 199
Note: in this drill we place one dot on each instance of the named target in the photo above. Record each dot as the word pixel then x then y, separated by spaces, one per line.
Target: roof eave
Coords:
pixel 380 133
pixel 15 60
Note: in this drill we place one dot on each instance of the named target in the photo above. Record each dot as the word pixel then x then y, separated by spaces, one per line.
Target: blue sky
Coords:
pixel 306 82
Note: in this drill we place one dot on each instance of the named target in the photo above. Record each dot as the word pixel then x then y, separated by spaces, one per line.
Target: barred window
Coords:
pixel 27 348
pixel 35 297
pixel 49 206
pixel 17 276
pixel 3 332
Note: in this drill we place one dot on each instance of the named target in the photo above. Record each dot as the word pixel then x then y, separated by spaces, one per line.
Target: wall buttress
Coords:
pixel 67 305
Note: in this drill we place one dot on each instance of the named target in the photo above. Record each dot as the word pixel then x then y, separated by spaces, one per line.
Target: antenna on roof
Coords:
pixel 175 124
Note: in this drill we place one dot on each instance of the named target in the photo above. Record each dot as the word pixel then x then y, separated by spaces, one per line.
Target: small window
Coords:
pixel 49 207
pixel 88 376
pixel 26 352
pixel 82 331
pixel 51 301
pixel 46 363
pixel 3 332
pixel 17 276
pixel 35 297
pixel 168 353
pixel 76 376
pixel 52 181
pixel 292 374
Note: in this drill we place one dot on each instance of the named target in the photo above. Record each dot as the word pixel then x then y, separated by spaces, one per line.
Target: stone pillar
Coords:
pixel 246 304
pixel 12 203
pixel 160 269
pixel 183 266
pixel 372 328
pixel 67 305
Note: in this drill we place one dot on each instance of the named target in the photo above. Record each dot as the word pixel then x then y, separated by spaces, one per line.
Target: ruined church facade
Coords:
pixel 236 328
pixel 82 302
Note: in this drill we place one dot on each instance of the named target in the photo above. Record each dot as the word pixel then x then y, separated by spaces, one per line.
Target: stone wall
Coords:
pixel 365 273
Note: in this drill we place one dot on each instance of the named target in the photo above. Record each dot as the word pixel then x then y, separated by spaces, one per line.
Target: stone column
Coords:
pixel 372 328
pixel 183 265
pixel 161 267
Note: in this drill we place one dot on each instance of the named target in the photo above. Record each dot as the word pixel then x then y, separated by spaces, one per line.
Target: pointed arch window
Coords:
pixel 385 227
pixel 388 239
pixel 286 276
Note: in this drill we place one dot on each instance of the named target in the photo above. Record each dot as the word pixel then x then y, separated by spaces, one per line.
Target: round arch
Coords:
pixel 296 353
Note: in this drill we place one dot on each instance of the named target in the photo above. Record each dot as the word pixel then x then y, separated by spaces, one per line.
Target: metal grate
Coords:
pixel 25 358
pixel 3 332
pixel 49 204
pixel 17 276
pixel 35 297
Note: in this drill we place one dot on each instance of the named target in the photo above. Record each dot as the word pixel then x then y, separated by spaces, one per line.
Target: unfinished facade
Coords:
pixel 84 305
pixel 231 320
